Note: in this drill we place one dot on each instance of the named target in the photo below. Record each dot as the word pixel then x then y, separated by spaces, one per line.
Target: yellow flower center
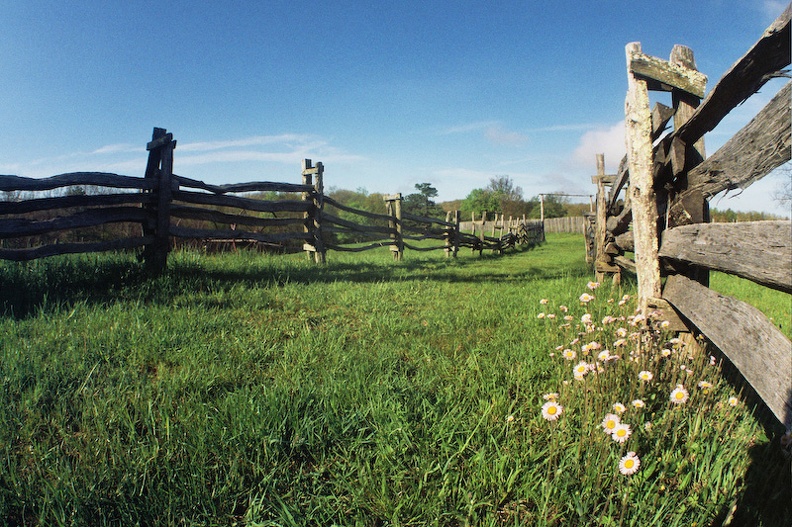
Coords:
pixel 680 395
pixel 621 432
pixel 552 410
pixel 629 463
pixel 611 424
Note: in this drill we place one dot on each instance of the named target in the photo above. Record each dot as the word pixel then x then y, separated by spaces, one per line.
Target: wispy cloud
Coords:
pixel 468 127
pixel 493 131
pixel 116 149
pixel 253 152
pixel 257 140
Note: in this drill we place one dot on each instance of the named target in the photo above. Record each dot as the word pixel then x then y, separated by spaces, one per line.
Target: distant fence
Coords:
pixel 153 212
pixel 570 224
pixel 663 217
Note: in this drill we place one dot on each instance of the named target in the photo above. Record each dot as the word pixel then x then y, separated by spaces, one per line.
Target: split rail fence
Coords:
pixel 663 217
pixel 55 215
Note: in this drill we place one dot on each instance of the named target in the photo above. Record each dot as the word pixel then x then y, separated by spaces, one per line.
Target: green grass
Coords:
pixel 256 390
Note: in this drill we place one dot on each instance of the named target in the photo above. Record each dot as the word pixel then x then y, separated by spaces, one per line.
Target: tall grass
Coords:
pixel 254 390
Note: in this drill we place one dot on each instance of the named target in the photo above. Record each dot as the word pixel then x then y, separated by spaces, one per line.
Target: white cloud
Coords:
pixel 608 141
pixel 117 148
pixel 258 140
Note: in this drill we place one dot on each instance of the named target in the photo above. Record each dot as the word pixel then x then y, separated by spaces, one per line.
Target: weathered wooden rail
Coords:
pixel 162 208
pixel 663 216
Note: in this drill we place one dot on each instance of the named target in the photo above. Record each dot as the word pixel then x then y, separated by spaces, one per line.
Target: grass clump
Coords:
pixel 254 390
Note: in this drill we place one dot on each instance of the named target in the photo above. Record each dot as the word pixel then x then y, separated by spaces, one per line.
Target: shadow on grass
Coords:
pixel 59 283
pixel 767 498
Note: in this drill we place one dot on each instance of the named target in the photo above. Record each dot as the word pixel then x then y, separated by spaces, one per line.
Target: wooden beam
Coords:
pixel 253 186
pixel 625 263
pixel 242 203
pixel 622 176
pixel 99 179
pixel 760 251
pixel 761 353
pixel 18 227
pixel 765 60
pixel 661 114
pixel 607 179
pixel 22 255
pixel 664 76
pixel 617 225
pixel 65 202
pixel 626 242
pixel 761 146
pixel 273 238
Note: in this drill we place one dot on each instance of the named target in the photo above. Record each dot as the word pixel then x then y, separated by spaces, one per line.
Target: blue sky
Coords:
pixel 385 93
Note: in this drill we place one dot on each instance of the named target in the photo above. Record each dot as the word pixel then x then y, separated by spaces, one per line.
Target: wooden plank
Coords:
pixel 600 230
pixel 625 263
pixel 43 251
pixel 241 203
pixel 67 202
pixel 626 241
pixel 216 234
pixel 98 179
pixel 18 227
pixel 761 353
pixel 425 219
pixel 760 251
pixel 661 115
pixel 619 224
pixel 665 76
pixel 373 215
pixel 335 220
pixel 607 179
pixel 343 248
pixel 195 213
pixel 622 176
pixel 765 59
pixel 761 146
pixel 638 122
pixel 253 186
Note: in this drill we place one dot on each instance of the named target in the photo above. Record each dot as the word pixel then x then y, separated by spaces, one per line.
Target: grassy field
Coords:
pixel 262 391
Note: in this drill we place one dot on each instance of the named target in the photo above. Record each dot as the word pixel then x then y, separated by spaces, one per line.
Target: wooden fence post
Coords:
pixel 319 255
pixel 481 234
pixel 393 205
pixel 448 234
pixel 603 260
pixel 159 168
pixel 638 135
pixel 694 208
pixel 308 220
pixel 457 217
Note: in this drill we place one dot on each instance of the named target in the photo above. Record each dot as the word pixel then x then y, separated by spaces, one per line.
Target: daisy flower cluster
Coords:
pixel 629 367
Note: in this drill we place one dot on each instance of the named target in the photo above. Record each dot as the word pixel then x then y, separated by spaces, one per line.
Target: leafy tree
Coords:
pixel 421 203
pixel 503 187
pixel 500 195
pixel 481 200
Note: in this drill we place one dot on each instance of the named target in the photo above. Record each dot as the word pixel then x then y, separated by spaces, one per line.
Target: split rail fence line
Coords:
pixel 165 206
pixel 664 217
